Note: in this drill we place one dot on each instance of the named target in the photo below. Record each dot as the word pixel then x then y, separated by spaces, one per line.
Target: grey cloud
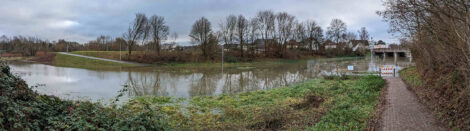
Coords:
pixel 84 20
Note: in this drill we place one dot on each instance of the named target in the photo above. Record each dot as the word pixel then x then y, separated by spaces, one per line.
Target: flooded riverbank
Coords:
pixel 83 84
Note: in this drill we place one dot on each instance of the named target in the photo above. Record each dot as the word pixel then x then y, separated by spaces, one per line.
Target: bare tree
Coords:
pixel 266 21
pixel 254 28
pixel 336 29
pixel 349 36
pixel 253 34
pixel 241 32
pixel 231 25
pixel 145 31
pixel 200 33
pixel 135 32
pixel 159 31
pixel 300 32
pixel 314 34
pixel 104 41
pixel 173 37
pixel 363 34
pixel 285 26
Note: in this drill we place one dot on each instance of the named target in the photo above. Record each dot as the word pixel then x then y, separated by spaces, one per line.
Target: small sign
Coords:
pixel 350 67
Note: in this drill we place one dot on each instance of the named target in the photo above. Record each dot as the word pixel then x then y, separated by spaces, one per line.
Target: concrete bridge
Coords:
pixel 393 52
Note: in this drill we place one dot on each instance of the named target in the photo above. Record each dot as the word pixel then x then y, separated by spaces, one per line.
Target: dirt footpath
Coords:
pixel 403 111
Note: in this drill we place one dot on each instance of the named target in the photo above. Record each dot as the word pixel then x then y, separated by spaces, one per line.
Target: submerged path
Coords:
pixel 403 111
pixel 103 59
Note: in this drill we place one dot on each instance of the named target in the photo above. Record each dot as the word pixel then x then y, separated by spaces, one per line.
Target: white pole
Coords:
pixel 120 50
pixel 223 56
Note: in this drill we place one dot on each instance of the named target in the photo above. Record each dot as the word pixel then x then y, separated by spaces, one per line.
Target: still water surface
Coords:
pixel 84 84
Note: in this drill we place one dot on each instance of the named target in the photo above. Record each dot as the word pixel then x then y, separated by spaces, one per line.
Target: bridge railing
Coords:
pixel 392 50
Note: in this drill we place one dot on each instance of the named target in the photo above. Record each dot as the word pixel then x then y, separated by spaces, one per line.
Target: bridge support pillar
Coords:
pixel 385 56
pixel 410 56
pixel 395 56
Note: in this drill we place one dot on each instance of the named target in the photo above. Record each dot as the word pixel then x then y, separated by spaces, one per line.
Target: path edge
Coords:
pixel 434 113
pixel 375 122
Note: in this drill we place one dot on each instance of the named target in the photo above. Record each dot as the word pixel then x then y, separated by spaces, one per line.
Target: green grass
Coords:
pixel 80 62
pixel 411 76
pixel 354 108
pixel 114 55
pixel 259 63
pixel 319 104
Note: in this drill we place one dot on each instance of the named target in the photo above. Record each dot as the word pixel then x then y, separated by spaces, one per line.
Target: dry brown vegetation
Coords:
pixel 439 31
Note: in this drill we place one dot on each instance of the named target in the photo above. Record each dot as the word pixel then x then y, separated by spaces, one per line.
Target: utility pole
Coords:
pixel 67 46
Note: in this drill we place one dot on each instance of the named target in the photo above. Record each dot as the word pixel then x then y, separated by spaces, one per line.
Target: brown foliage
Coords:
pixel 440 32
pixel 44 57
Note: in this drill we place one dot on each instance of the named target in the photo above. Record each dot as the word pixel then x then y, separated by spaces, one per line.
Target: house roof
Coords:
pixel 329 42
pixel 363 42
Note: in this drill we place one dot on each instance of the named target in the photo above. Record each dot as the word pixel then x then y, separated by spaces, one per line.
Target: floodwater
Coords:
pixel 104 85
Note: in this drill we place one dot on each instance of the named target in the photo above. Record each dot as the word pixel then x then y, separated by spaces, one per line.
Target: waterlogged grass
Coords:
pixel 262 62
pixel 335 103
pixel 114 55
pixel 80 62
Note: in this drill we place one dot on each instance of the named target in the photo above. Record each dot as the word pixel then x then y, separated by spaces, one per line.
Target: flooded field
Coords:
pixel 83 84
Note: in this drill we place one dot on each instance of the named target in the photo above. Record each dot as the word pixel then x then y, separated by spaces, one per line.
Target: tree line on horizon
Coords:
pixel 275 30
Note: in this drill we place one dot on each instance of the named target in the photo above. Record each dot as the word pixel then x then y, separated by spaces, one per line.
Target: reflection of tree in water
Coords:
pixel 321 68
pixel 203 83
pixel 209 82
pixel 147 83
pixel 264 78
pixel 239 82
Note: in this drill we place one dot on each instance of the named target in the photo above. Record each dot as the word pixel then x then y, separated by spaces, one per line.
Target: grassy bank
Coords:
pixel 209 64
pixel 80 62
pixel 261 62
pixel 452 110
pixel 114 55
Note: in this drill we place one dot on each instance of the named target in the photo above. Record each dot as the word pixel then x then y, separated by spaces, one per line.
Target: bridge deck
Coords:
pixel 388 50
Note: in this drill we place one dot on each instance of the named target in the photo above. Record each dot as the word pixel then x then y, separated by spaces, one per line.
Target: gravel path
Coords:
pixel 403 111
pixel 103 59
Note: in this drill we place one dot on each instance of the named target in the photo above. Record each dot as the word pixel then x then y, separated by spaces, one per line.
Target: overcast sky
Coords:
pixel 84 20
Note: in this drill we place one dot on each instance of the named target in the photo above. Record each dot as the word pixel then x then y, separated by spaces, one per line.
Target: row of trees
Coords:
pixel 272 28
pixel 28 46
pixel 150 31
pixel 276 30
